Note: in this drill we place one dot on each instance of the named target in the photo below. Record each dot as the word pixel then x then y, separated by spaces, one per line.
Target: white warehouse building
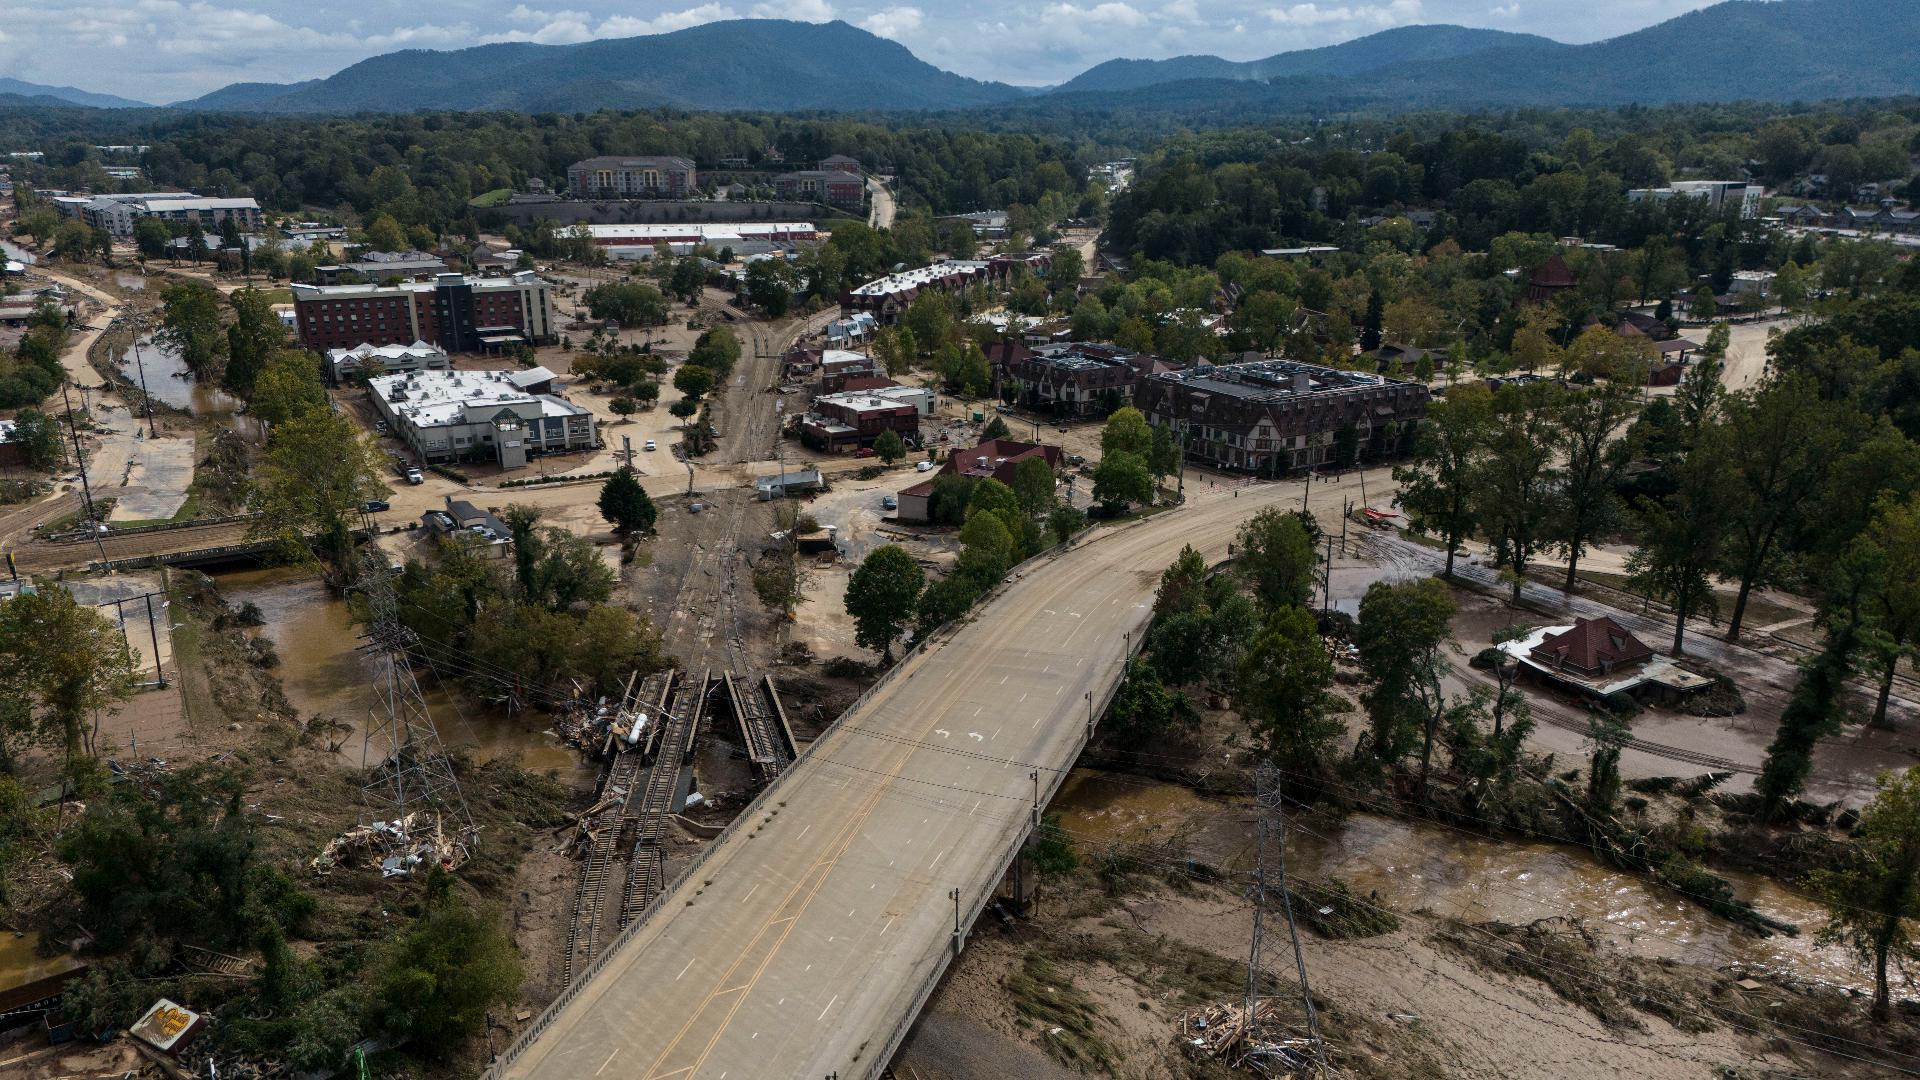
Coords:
pixel 481 416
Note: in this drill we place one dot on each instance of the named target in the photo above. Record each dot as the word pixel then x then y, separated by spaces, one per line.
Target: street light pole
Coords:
pixel 86 489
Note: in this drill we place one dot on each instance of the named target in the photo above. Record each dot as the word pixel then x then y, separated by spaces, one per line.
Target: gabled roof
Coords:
pixel 1552 274
pixel 1591 645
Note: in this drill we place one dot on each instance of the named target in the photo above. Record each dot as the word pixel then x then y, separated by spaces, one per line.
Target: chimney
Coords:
pixel 1302 382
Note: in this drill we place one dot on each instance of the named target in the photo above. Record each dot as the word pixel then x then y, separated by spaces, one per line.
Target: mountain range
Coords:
pixel 1778 50
pixel 67 95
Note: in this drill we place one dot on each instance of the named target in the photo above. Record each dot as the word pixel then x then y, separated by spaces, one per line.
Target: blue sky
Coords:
pixel 166 50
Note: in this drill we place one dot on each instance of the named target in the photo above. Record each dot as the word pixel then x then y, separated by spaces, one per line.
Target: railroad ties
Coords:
pixel 763 725
pixel 642 783
pixel 589 930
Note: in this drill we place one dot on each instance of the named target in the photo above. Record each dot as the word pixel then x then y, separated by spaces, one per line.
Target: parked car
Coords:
pixel 375 506
pixel 414 477
pixel 380 426
pixel 924 466
pixel 865 451
pixel 650 445
pixel 888 502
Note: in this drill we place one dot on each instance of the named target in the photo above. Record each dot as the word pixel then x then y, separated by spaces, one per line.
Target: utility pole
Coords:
pixel 1273 821
pixel 86 489
pixel 1326 577
pixel 1308 491
pixel 958 942
pixel 153 432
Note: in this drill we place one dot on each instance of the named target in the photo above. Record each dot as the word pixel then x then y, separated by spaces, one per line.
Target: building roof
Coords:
pixel 1552 274
pixel 439 398
pixel 347 292
pixel 1591 645
pixel 666 161
pixel 418 350
pixel 532 376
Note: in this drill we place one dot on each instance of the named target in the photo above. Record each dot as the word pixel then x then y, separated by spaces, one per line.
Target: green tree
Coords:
pixel 63 662
pixel 1513 485
pixel 38 436
pixel 1371 322
pixel 152 238
pixel 717 349
pixel 1285 694
pixel 1438 483
pixel 385 234
pixel 625 504
pixel 1274 555
pixel 288 386
pixel 890 447
pixel 435 982
pixel 1402 637
pixel 1033 485
pixel 1781 442
pixel 1065 521
pixel 1163 456
pixel 780 581
pixel 944 601
pixel 881 597
pixel 929 322
pixel 693 381
pixel 1817 706
pixel 629 303
pixel 1874 895
pixel 1121 478
pixel 1145 710
pixel 770 286
pixel 1682 535
pixel 190 325
pixel 996 429
pixel 988 548
pixel 1587 428
pixel 255 336
pixel 310 484
pixel 1127 432
pixel 1890 550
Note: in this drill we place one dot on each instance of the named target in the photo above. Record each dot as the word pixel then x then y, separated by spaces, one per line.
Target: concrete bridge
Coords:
pixel 805 940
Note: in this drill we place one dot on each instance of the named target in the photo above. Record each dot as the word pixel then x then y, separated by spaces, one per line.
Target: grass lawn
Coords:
pixel 496 197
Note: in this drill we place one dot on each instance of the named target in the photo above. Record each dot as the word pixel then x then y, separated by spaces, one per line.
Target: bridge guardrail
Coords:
pixel 496 1069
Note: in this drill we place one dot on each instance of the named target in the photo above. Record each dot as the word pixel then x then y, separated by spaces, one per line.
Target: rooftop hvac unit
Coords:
pixel 983 461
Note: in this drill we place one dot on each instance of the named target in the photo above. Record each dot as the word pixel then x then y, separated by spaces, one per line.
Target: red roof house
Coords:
pixel 1592 647
pixel 995 458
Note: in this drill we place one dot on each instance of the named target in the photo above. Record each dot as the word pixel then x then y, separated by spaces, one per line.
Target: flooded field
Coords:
pixel 168 380
pixel 325 674
pixel 1414 866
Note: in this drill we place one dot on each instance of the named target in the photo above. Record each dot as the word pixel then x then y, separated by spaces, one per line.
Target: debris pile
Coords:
pixel 596 727
pixel 396 848
pixel 1264 1047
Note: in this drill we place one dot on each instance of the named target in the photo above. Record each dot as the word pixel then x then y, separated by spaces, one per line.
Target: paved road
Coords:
pixel 880 215
pixel 806 940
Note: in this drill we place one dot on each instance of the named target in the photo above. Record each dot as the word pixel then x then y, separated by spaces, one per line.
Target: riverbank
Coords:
pixel 1508 958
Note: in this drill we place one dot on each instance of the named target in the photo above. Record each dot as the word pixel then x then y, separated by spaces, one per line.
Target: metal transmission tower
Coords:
pixel 410 773
pixel 1273 821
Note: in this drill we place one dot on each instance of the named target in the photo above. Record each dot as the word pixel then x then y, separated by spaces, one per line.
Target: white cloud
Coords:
pixel 1393 14
pixel 1505 11
pixel 1183 10
pixel 814 11
pixel 1112 13
pixel 894 22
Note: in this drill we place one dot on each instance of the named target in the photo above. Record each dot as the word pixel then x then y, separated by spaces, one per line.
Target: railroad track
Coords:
pixel 756 708
pixel 587 933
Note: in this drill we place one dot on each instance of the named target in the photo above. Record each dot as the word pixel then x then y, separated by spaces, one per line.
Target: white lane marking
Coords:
pixel 1023 697
pixel 1003 679
pixel 803 832
pixel 683 971
pixel 1046 669
pixel 850 912
pixel 976 736
pixel 979 710
pixel 609 1061
pixel 976 806
pixel 750 892
pixel 937 858
pixel 823 1012
pixel 890 923
pixel 942 732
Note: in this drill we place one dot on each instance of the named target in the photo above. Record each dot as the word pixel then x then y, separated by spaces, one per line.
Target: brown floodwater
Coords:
pixel 1413 866
pixel 168 380
pixel 325 674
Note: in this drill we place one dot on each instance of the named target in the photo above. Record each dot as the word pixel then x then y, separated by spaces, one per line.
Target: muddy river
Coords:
pixel 324 674
pixel 1414 865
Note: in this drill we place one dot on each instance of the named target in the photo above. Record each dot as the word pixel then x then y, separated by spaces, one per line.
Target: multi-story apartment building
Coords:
pixel 116 214
pixel 831 186
pixel 632 178
pixel 1274 416
pixel 454 312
